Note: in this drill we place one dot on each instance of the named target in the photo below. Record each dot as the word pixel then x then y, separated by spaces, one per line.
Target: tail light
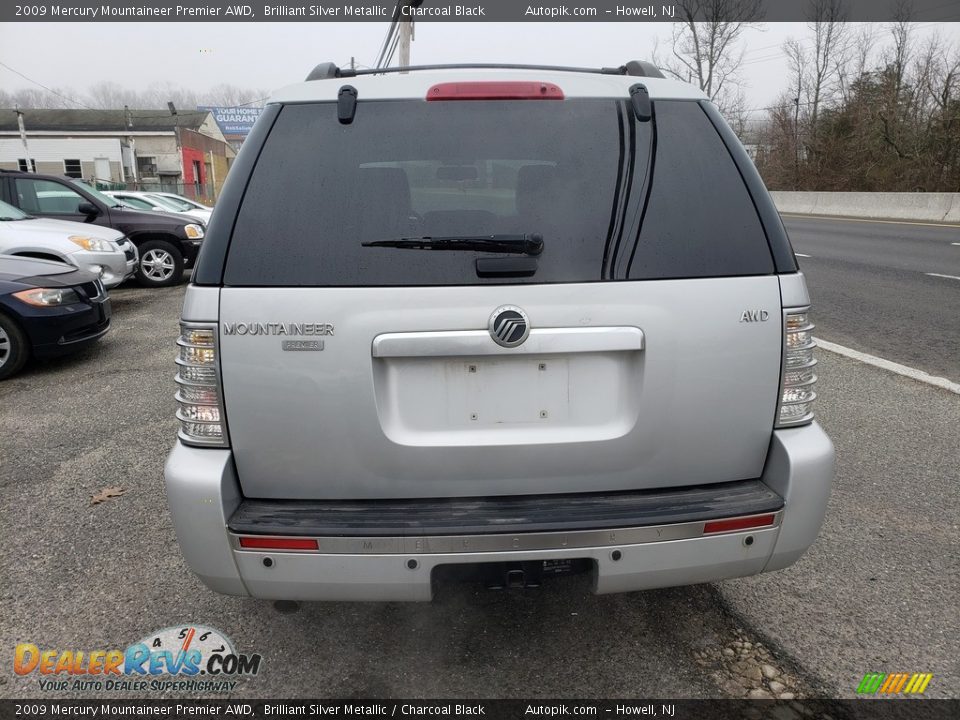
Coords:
pixel 199 395
pixel 798 378
pixel 498 90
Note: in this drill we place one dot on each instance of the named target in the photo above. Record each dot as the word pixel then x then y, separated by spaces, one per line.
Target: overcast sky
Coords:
pixel 271 55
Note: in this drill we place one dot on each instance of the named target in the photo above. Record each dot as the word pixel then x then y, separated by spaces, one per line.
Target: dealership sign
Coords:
pixel 233 120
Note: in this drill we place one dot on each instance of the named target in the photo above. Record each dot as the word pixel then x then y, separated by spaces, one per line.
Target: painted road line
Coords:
pixel 893 367
pixel 955 243
pixel 801 255
pixel 867 220
pixel 949 277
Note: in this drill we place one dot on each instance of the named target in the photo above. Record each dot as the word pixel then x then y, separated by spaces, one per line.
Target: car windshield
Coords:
pixel 169 202
pixel 192 203
pixel 135 203
pixel 105 199
pixel 9 212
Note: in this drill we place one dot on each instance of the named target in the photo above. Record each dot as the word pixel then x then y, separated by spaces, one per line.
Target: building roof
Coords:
pixel 101 120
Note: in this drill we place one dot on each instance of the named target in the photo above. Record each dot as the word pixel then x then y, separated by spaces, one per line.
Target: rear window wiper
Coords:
pixel 521 244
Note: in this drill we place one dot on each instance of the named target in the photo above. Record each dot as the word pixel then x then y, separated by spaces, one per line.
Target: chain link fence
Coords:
pixel 201 192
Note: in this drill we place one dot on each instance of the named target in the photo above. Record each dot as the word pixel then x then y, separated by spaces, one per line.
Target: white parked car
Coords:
pixel 192 203
pixel 141 200
pixel 105 252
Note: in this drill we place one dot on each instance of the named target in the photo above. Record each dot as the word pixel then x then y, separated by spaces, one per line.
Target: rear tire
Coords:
pixel 14 349
pixel 160 265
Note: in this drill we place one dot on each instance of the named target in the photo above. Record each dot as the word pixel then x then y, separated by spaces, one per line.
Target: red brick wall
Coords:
pixel 189 155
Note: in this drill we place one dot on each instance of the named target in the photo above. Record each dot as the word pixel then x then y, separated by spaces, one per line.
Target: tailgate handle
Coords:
pixel 542 341
pixel 508 267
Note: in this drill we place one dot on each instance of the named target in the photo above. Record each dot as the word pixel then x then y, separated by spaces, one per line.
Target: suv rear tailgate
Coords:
pixel 693 404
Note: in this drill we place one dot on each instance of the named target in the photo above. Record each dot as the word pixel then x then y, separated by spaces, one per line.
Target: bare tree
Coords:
pixel 28 98
pixel 889 122
pixel 157 95
pixel 109 95
pixel 860 47
pixel 900 55
pixel 797 61
pixel 828 23
pixel 705 44
pixel 229 95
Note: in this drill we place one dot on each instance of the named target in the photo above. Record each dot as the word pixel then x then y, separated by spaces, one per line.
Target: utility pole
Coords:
pixel 133 148
pixel 182 185
pixel 213 178
pixel 796 143
pixel 353 63
pixel 406 32
pixel 406 35
pixel 23 139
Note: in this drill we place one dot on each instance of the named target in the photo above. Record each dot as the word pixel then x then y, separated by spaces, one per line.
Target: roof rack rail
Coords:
pixel 634 68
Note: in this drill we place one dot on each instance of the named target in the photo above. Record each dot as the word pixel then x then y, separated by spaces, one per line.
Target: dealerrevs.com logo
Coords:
pixel 187 658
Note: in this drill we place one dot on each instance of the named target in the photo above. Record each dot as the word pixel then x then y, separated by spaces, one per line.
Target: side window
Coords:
pixel 147 166
pixel 45 197
pixel 72 168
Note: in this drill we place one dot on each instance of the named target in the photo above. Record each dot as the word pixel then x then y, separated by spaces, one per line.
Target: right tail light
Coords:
pixel 798 378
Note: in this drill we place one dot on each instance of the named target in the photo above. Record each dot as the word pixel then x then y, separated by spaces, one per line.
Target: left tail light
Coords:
pixel 199 395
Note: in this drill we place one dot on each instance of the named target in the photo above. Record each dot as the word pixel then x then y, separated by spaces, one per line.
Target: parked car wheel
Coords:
pixel 13 348
pixel 161 264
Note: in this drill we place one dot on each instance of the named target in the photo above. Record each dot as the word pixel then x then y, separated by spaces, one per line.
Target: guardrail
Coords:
pixel 926 207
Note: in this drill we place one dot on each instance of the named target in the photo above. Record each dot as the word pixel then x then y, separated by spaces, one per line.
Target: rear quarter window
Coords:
pixel 700 220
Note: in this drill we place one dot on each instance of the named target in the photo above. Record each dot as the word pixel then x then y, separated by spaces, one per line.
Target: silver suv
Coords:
pixel 534 320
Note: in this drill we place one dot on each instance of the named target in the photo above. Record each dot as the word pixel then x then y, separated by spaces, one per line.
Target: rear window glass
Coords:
pixel 700 220
pixel 571 171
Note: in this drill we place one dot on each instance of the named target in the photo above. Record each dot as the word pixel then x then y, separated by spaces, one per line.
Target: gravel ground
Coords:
pixel 878 592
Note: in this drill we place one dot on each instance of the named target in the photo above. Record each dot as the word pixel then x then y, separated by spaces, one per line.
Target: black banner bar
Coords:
pixel 888 709
pixel 465 11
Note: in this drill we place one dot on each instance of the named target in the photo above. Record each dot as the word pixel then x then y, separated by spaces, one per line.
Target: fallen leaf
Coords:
pixel 106 494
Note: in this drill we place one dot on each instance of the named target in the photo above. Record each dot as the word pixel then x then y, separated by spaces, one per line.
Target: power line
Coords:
pixel 392 38
pixel 388 38
pixel 393 50
pixel 49 90
pixel 138 117
pixel 872 35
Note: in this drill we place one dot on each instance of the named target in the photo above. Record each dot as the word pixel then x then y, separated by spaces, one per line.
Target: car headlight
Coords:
pixel 194 232
pixel 92 244
pixel 47 297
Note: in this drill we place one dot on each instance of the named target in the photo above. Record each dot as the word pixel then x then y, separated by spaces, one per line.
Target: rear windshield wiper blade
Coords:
pixel 521 244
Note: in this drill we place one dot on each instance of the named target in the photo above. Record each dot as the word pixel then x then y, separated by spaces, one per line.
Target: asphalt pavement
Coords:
pixel 877 593
pixel 879 287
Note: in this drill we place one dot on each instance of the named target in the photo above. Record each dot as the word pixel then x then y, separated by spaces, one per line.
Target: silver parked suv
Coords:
pixel 534 320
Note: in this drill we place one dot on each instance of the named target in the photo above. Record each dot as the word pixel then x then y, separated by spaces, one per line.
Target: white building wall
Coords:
pixel 56 150
pixel 163 148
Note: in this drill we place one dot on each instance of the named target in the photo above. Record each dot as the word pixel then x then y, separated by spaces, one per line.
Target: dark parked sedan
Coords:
pixel 47 309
